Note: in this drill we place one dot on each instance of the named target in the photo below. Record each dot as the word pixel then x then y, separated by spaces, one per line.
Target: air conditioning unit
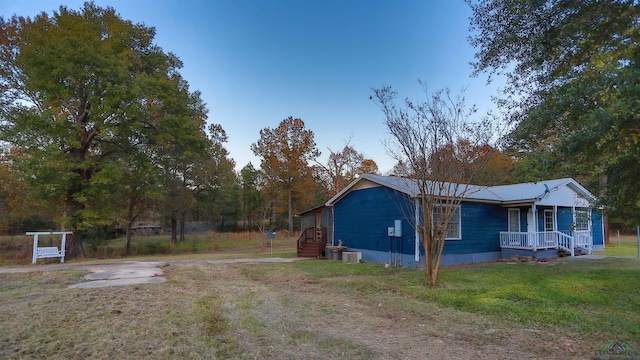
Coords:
pixel 351 257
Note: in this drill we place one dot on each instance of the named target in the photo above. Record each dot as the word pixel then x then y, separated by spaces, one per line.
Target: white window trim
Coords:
pixel 509 220
pixel 587 217
pixel 459 223
pixel 553 220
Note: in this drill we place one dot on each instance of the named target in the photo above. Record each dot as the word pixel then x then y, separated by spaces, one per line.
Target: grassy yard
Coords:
pixel 626 245
pixel 320 309
pixel 17 250
pixel 589 298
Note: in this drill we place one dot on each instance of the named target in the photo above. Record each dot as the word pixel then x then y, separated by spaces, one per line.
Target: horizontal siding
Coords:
pixel 362 217
pixel 596 227
pixel 565 219
pixel 481 226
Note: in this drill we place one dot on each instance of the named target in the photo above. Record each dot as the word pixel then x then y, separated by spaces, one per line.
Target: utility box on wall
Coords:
pixel 398 228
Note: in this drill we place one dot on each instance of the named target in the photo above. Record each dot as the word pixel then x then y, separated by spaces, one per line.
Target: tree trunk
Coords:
pixel 182 221
pixel 290 219
pixel 130 220
pixel 174 228
pixel 74 248
pixel 127 250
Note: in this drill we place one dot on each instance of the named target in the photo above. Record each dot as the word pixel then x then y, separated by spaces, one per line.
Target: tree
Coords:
pixel 251 200
pixel 496 168
pixel 79 88
pixel 341 169
pixel 435 140
pixel 140 190
pixel 573 82
pixel 368 166
pixel 215 184
pixel 285 154
pixel 179 146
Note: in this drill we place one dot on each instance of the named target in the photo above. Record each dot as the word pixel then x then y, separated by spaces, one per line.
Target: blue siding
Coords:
pixel 481 226
pixel 596 228
pixel 565 219
pixel 362 217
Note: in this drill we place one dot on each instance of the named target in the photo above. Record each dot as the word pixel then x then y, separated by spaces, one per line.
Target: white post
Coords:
pixel 618 238
pixel 35 249
pixel 63 246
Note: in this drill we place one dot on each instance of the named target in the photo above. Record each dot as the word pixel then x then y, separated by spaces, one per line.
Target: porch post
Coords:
pixel 534 209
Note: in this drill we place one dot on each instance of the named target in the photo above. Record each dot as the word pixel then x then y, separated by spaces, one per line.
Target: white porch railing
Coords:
pixel 567 241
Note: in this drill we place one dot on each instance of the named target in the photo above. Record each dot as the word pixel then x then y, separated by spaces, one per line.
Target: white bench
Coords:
pixel 48 251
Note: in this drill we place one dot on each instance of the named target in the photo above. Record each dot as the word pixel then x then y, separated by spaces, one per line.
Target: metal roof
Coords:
pixel 523 193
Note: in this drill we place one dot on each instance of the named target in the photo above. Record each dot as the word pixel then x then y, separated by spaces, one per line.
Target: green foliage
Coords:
pixel 572 70
pixel 99 119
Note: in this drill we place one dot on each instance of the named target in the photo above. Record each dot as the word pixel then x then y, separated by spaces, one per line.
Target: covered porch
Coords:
pixel 571 242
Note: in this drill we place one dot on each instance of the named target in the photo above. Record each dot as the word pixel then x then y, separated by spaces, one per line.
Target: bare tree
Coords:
pixel 441 147
pixel 342 168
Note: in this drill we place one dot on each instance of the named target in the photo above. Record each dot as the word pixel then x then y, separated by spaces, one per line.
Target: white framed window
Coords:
pixel 582 220
pixel 454 227
pixel 514 220
pixel 549 220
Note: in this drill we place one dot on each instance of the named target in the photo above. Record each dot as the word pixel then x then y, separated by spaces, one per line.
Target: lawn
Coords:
pixel 321 309
pixel 17 250
pixel 591 298
pixel 625 245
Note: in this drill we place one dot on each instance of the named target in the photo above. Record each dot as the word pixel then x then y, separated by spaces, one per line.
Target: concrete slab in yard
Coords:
pixel 124 273
pixel 115 282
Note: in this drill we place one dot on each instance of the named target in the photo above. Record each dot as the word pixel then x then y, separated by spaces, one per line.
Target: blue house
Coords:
pixel 376 215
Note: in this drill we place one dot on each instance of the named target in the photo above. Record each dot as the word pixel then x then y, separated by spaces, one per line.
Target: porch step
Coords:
pixel 576 252
pixel 311 249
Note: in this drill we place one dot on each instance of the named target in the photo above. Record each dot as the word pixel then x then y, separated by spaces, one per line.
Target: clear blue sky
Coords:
pixel 257 62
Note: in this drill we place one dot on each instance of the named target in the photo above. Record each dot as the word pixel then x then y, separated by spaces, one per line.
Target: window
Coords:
pixel 454 227
pixel 582 220
pixel 548 220
pixel 514 220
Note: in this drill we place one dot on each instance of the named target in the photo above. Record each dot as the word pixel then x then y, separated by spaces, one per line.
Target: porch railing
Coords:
pixel 567 241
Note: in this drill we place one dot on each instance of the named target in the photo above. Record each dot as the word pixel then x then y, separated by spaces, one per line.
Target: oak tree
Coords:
pixel 572 70
pixel 79 88
pixel 285 153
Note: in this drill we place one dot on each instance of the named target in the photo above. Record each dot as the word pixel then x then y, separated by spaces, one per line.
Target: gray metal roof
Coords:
pixel 531 192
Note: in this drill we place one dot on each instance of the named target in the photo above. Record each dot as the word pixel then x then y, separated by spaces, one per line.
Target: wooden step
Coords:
pixel 311 249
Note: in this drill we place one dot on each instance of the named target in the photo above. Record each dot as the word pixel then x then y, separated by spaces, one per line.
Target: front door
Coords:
pixel 531 225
